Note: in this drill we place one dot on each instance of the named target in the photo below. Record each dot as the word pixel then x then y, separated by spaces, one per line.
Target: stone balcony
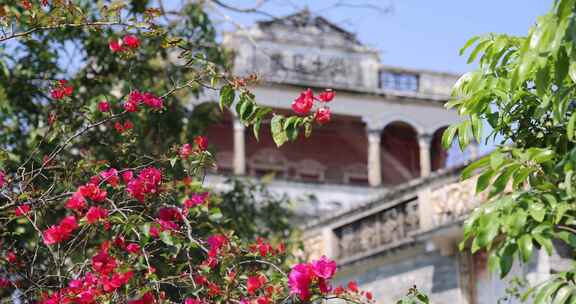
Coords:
pixel 428 210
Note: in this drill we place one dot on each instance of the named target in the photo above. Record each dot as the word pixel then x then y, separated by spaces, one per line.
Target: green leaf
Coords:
pixel 542 81
pixel 489 228
pixel 173 161
pixel 537 211
pixel 541 155
pixel 246 110
pixel 448 136
pixel 507 259
pixel 215 215
pixel 515 222
pixel 307 128
pixel 470 169
pixel 277 129
pixel 562 65
pixel 166 238
pixel 526 246
pixel 468 44
pixel 520 176
pixel 563 294
pixel 560 211
pixel 546 292
pixel 464 134
pixel 484 180
pixel 572 71
pixel 477 125
pixel 256 129
pixel 570 126
pixel 502 180
pixel 496 160
pixel 227 95
pixel 545 242
pixel 292 133
pixel 479 48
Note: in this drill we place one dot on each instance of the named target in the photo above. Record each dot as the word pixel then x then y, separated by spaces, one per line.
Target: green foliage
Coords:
pixel 32 64
pixel 524 89
pixel 264 214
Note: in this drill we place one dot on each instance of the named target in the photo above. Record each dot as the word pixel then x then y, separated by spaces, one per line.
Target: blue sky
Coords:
pixel 418 33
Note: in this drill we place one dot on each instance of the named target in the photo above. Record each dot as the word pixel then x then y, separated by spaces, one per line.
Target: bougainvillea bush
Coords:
pixel 87 213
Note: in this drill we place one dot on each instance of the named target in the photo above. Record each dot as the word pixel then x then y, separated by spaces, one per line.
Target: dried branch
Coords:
pixel 65 25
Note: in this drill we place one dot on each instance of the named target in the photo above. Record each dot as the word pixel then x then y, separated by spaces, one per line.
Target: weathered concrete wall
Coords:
pixel 389 277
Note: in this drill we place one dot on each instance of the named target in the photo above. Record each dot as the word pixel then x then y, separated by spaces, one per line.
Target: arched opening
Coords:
pixel 207 119
pixel 400 156
pixel 439 155
pixel 335 153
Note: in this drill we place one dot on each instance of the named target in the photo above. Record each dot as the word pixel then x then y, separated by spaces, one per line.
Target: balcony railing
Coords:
pixel 396 220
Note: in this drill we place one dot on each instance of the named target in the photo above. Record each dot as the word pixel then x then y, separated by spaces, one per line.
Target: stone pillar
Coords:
pixel 239 148
pixel 374 165
pixel 331 243
pixel 425 141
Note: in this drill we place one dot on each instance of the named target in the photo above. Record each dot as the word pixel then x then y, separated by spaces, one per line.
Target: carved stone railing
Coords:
pixel 427 209
pixel 448 203
pixel 387 228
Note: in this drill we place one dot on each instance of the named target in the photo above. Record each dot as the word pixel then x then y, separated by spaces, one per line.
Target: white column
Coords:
pixel 424 141
pixel 239 148
pixel 374 165
pixel 331 243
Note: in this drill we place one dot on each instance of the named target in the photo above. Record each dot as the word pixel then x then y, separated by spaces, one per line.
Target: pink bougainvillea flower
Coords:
pixel 131 41
pixel 93 192
pixel 104 106
pixel 299 280
pixel 115 45
pixel 130 106
pixel 127 176
pixel 147 298
pixel 263 300
pixel 76 202
pixel 133 248
pixel 254 283
pixel 185 151
pixel 118 126
pixel 96 214
pixel 147 182
pixel 103 263
pixel 154 232
pixel 26 4
pixel 324 268
pixel 22 210
pixel 353 286
pixel 201 142
pixel 135 97
pixel 57 94
pixel 196 200
pixel 68 90
pixel 110 176
pixel 216 242
pixel 128 125
pixel 2 179
pixel 322 115
pixel 11 257
pixel 327 95
pixel 303 104
pixel 152 101
pixel 323 285
pixel 61 232
pixel 169 218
